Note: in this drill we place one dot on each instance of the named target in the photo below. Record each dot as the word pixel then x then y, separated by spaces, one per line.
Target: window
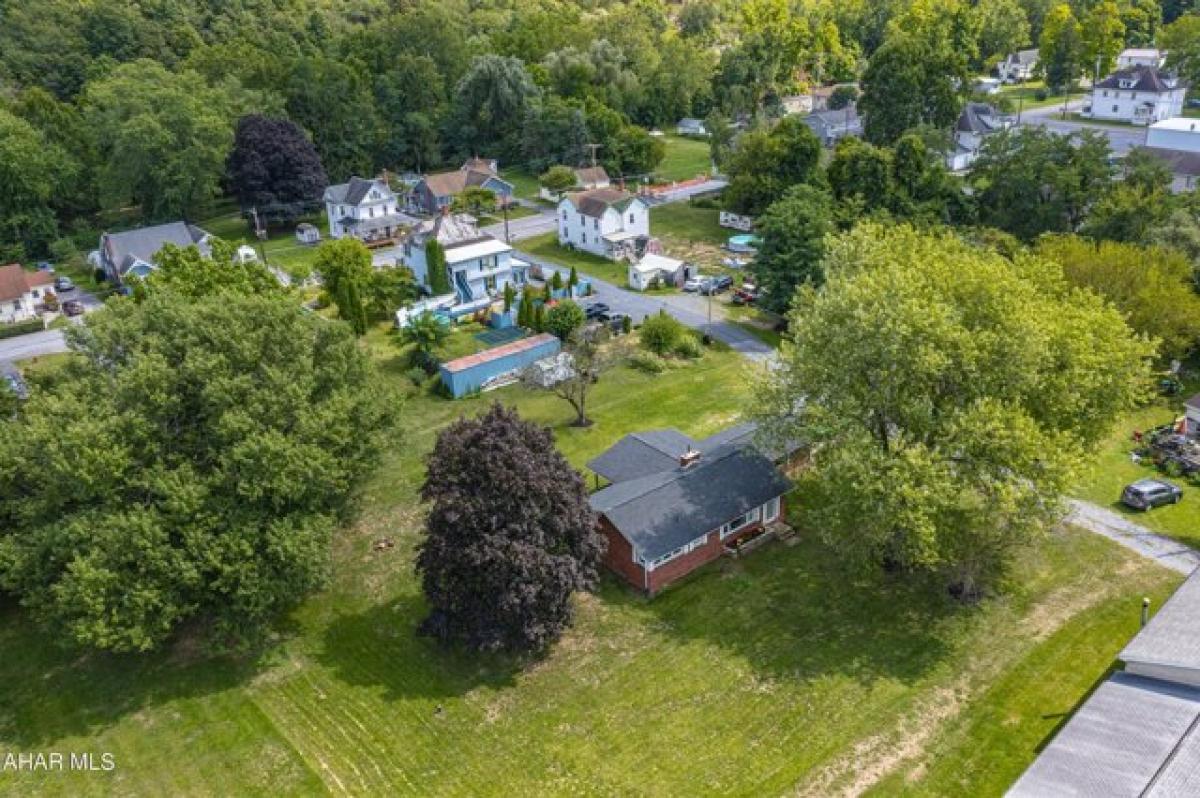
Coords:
pixel 770 510
pixel 583 238
pixel 595 224
pixel 564 214
pixel 1114 109
pixel 679 552
pixel 631 218
pixel 740 523
pixel 582 221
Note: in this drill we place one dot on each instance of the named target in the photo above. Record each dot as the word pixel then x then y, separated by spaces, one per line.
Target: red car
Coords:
pixel 743 296
pixel 72 307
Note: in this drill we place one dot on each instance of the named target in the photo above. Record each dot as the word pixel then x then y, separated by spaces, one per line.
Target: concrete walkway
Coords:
pixel 1166 552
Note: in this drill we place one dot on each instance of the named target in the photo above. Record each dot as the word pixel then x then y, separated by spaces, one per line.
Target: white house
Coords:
pixel 643 272
pixel 363 209
pixel 21 292
pixel 131 252
pixel 1136 56
pixel 608 222
pixel 1140 95
pixel 1018 67
pixel 478 266
pixel 976 122
pixel 691 127
pixel 1176 143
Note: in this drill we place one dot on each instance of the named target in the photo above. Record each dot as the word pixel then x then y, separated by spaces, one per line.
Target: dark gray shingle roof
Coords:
pixel 660 512
pixel 1145 78
pixel 1133 737
pixel 124 249
pixel 640 454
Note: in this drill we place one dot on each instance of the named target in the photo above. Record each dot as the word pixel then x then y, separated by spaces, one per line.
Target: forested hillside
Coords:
pixel 133 103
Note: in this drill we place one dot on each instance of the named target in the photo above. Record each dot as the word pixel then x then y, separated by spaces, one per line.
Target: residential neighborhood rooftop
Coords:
pixel 596 202
pixel 15 281
pixel 662 511
pixel 1173 638
pixel 1144 78
pixel 352 192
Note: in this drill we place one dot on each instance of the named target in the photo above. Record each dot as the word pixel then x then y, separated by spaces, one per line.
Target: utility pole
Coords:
pixel 259 234
pixel 504 207
pixel 593 148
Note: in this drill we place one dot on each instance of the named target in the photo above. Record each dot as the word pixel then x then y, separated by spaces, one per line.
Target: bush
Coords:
pixel 626 324
pixel 688 346
pixel 20 328
pixel 1173 468
pixel 1040 95
pixel 416 375
pixel 424 361
pixel 709 202
pixel 661 333
pixel 99 275
pixel 648 362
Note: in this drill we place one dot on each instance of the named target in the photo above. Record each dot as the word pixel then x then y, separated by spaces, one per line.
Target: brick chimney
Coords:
pixel 688 458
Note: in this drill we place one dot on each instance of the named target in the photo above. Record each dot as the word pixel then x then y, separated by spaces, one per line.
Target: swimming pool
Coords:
pixel 743 242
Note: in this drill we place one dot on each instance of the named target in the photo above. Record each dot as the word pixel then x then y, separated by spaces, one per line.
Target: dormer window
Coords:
pixel 1126 83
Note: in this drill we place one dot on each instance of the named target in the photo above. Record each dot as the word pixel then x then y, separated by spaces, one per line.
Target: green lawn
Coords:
pixel 750 677
pixel 1113 469
pixel 281 247
pixel 524 184
pixel 685 158
pixel 547 246
pixel 1025 95
pixel 684 222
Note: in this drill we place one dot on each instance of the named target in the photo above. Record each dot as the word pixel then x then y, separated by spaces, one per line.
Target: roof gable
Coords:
pixel 597 201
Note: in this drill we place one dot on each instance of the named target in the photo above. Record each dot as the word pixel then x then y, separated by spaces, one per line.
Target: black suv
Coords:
pixel 716 285
pixel 1146 494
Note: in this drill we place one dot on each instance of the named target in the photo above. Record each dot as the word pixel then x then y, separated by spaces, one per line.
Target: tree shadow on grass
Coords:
pixel 51 692
pixel 380 647
pixel 797 613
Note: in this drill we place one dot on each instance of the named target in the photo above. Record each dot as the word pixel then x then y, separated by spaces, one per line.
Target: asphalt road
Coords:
pixel 22 347
pixel 1121 138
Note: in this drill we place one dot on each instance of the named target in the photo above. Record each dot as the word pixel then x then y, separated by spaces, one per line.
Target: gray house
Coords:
pixel 832 126
pixel 1138 734
pixel 131 253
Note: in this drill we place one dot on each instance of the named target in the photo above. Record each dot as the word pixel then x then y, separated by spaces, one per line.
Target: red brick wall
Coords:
pixel 619 557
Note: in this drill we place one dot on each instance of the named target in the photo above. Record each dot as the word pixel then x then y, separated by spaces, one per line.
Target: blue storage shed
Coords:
pixel 496 366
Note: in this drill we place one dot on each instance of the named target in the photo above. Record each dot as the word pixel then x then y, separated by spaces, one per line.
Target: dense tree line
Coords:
pixel 139 103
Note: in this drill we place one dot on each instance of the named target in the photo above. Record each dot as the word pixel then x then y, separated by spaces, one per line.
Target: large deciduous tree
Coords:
pixel 193 462
pixel 948 395
pixel 1060 48
pixel 185 271
pixel 793 232
pixel 493 95
pixel 1031 181
pixel 509 535
pixel 32 173
pixel 275 169
pixel 163 136
pixel 1152 286
pixel 764 165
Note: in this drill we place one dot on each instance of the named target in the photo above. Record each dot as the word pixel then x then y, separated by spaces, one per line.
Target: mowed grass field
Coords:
pixel 780 671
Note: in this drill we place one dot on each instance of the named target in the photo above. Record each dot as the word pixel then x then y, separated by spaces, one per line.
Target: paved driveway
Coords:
pixel 21 347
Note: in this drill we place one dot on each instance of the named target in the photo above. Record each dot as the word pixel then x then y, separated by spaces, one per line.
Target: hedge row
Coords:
pixel 20 328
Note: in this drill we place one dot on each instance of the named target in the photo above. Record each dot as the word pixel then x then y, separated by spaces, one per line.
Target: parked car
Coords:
pixel 743 296
pixel 72 307
pixel 62 284
pixel 1146 494
pixel 695 283
pixel 717 284
pixel 45 266
pixel 594 310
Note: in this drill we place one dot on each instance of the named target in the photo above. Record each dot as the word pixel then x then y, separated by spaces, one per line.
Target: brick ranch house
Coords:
pixel 675 504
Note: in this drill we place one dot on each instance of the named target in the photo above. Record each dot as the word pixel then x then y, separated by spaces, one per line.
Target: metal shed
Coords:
pixel 495 367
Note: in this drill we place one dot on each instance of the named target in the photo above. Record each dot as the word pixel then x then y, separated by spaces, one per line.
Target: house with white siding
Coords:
pixel 608 222
pixel 1139 95
pixel 364 209
pixel 478 266
pixel 21 292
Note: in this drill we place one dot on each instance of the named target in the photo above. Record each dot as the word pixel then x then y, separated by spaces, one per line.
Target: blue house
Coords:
pixel 478 266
